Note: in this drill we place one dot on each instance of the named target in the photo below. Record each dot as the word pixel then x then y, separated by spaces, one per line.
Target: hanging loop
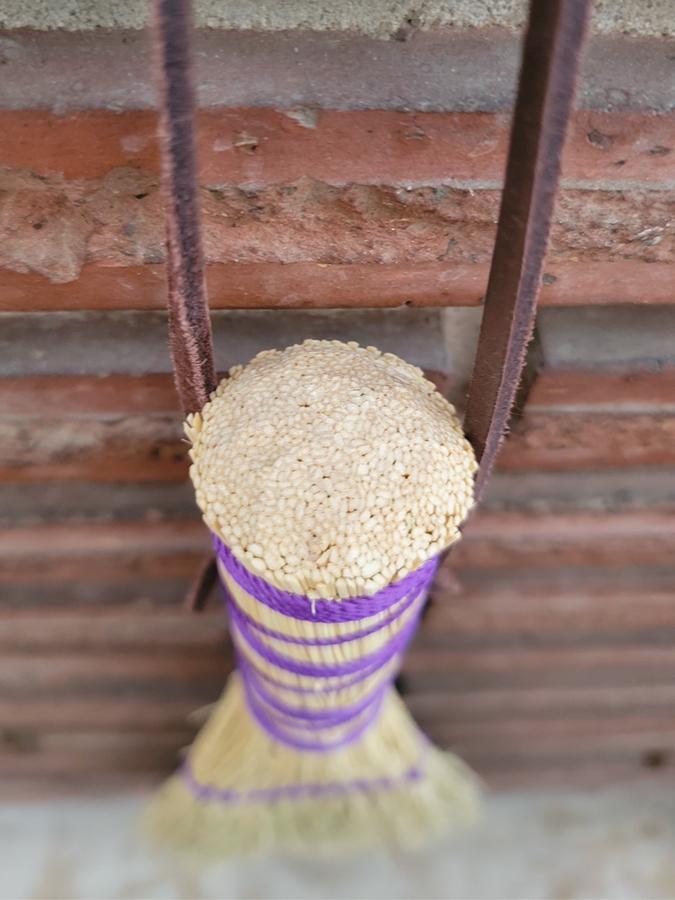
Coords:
pixel 548 76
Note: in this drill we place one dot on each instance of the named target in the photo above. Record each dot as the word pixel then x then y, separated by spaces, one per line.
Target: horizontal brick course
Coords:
pixel 377 208
pixel 577 420
pixel 257 147
pixel 53 228
pixel 492 540
pixel 288 286
pixel 126 428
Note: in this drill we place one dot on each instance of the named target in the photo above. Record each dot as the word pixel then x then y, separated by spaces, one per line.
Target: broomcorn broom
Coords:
pixel 325 556
pixel 331 477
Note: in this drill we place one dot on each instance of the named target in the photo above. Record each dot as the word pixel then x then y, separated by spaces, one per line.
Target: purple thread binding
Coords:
pixel 320 642
pixel 298 689
pixel 209 793
pixel 375 660
pixel 296 606
pixel 269 722
pixel 298 726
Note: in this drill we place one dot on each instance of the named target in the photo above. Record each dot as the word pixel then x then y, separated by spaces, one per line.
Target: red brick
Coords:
pixel 315 285
pixel 154 632
pixel 127 428
pixel 77 396
pixel 594 420
pixel 512 540
pixel 262 146
pixel 117 428
pixel 558 442
pixel 578 391
pixel 72 755
pixel 134 448
pixel 492 540
pixel 548 614
pixel 101 551
pixel 432 665
pixel 54 228
pixel 61 671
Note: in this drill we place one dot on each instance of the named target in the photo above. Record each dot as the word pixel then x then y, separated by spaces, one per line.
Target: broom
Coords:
pixel 331 477
pixel 310 747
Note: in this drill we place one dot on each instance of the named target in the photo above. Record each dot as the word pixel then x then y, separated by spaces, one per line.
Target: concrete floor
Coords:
pixel 615 843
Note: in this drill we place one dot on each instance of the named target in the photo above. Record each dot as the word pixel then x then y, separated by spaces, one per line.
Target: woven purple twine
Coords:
pixel 211 793
pixel 267 669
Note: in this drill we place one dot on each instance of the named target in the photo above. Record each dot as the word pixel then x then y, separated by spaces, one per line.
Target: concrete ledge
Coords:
pixel 380 18
pixel 136 342
pixel 473 69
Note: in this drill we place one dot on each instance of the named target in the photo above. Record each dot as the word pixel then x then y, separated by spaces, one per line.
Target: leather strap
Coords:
pixel 189 323
pixel 548 76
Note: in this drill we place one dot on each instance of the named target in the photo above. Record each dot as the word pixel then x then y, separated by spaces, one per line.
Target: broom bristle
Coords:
pixel 241 791
pixel 390 788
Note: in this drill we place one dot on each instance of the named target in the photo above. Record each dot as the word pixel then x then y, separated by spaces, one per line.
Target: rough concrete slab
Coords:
pixel 59 501
pixel 592 491
pixel 135 343
pixel 609 844
pixel 611 337
pixel 383 18
pixel 463 70
pixel 461 326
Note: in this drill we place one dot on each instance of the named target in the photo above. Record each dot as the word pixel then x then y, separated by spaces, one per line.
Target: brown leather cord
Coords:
pixel 202 584
pixel 547 80
pixel 548 77
pixel 189 323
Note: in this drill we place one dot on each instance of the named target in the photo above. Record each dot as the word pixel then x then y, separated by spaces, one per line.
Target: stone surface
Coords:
pixel 136 343
pixel 613 337
pixel 446 69
pixel 53 228
pixel 607 844
pixel 385 18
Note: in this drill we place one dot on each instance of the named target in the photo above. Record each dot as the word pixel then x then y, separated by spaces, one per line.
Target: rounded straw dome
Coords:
pixel 330 469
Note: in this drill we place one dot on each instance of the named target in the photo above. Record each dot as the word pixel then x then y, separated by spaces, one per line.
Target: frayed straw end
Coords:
pixel 399 792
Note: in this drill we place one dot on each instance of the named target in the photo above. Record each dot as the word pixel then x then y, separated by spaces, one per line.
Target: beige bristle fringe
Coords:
pixel 327 490
pixel 233 752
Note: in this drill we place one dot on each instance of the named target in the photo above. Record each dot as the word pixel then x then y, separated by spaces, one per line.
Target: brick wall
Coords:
pixel 350 189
